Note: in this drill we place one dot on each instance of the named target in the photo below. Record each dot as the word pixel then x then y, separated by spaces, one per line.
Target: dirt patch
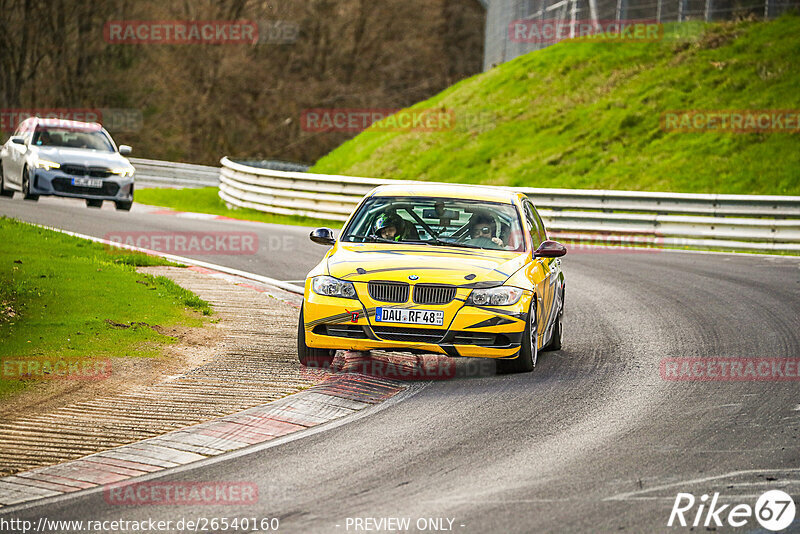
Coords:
pixel 194 347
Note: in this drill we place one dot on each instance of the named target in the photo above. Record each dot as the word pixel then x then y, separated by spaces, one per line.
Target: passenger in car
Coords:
pixel 481 231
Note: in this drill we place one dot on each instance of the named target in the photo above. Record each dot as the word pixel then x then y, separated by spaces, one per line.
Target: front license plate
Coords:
pixel 87 182
pixel 402 315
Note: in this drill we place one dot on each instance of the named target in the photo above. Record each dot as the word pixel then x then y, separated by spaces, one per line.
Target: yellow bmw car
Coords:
pixel 458 270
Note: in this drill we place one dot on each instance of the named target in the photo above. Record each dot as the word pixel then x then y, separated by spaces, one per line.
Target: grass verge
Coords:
pixel 70 298
pixel 587 115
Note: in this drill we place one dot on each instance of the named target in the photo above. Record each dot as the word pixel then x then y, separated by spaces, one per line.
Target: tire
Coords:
pixel 528 351
pixel 308 356
pixel 3 191
pixel 94 203
pixel 26 186
pixel 558 330
pixel 123 206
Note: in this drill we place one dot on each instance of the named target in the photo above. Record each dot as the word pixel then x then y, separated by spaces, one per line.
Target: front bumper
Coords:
pixel 56 182
pixel 349 324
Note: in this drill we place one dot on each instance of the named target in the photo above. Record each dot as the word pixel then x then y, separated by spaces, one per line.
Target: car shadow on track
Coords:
pixel 401 366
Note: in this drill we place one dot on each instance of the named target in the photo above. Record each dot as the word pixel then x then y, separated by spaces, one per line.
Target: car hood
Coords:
pixel 362 262
pixel 82 156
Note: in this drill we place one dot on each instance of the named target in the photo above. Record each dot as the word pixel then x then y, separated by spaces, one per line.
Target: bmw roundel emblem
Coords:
pixel 413 277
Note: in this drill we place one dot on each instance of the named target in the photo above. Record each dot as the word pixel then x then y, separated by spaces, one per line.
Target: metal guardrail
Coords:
pixel 167 173
pixel 636 218
pixel 275 165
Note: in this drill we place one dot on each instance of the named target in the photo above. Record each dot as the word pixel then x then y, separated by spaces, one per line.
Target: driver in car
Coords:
pixel 391 227
pixel 481 233
pixel 43 139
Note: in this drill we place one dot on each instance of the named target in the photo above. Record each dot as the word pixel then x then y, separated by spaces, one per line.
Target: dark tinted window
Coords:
pixel 537 231
pixel 539 225
pixel 441 221
pixel 93 139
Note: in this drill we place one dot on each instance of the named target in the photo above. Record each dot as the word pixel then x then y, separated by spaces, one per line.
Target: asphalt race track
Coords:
pixel 594 440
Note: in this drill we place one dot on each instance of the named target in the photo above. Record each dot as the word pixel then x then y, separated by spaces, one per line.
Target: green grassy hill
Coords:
pixel 587 115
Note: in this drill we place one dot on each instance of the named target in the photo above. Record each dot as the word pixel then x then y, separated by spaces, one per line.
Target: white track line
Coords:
pixel 180 259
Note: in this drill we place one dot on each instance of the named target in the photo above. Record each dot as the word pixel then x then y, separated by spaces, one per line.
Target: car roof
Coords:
pixel 64 123
pixel 459 191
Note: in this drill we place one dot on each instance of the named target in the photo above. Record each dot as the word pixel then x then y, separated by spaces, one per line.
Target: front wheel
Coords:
pixel 123 206
pixel 308 356
pixel 94 203
pixel 3 191
pixel 558 330
pixel 528 352
pixel 26 186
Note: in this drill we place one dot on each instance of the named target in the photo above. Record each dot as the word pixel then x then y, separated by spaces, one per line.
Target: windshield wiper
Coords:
pixel 368 237
pixel 436 241
pixel 442 243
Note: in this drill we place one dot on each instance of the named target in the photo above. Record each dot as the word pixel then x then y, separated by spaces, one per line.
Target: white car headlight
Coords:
pixel 496 296
pixel 124 172
pixel 47 165
pixel 329 286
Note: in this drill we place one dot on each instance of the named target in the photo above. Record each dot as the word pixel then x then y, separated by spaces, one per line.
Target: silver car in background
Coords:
pixel 68 159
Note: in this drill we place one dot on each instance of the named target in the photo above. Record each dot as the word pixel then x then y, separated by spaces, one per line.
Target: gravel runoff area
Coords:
pixel 251 361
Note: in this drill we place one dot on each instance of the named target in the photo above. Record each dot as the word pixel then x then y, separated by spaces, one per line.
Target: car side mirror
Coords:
pixel 125 150
pixel 18 140
pixel 550 249
pixel 322 236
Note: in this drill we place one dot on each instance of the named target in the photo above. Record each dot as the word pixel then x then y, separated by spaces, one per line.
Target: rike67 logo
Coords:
pixel 774 511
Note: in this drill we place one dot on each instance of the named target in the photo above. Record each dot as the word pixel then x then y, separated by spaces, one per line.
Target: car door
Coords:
pixel 14 160
pixel 546 289
pixel 554 277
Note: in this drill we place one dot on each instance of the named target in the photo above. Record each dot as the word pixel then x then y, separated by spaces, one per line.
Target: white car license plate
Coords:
pixel 406 316
pixel 88 182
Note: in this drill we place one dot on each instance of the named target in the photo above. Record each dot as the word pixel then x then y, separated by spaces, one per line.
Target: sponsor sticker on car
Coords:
pixel 406 316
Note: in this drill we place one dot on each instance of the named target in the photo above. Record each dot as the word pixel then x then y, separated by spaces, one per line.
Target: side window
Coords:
pixel 540 226
pixel 532 224
pixel 25 131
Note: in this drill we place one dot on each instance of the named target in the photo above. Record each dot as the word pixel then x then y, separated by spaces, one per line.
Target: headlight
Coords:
pixel 124 172
pixel 47 165
pixel 496 296
pixel 329 286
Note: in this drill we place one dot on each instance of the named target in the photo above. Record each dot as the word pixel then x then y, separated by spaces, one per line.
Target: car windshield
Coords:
pixel 72 138
pixel 438 222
